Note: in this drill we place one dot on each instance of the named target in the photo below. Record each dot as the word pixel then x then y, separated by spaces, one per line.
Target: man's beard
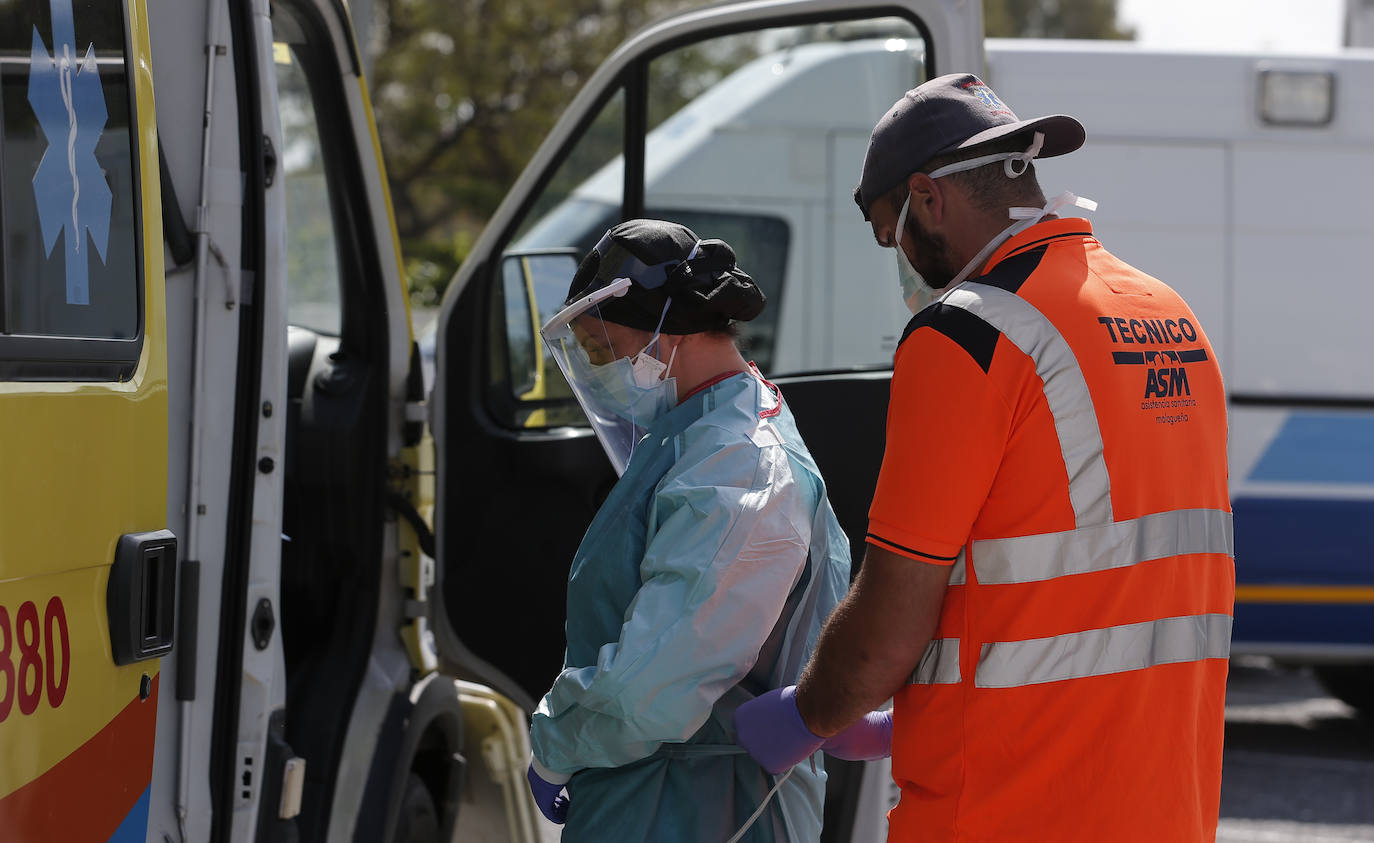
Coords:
pixel 932 254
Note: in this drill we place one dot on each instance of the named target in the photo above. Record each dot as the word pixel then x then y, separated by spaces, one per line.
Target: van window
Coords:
pixel 580 201
pixel 313 294
pixel 760 242
pixel 68 189
pixel 756 138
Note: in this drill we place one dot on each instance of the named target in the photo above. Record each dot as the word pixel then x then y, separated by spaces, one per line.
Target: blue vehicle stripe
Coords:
pixel 134 829
pixel 1304 624
pixel 1304 541
pixel 1320 448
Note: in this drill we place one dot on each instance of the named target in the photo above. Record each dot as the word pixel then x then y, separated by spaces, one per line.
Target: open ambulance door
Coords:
pixel 306 707
pixel 519 474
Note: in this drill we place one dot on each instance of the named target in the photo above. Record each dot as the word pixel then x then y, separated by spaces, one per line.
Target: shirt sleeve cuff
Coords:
pixel 546 774
pixel 934 554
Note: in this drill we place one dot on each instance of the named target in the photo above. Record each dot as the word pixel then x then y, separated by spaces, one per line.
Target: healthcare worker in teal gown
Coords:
pixel 705 577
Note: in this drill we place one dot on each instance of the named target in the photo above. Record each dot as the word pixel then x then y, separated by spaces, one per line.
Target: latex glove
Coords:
pixel 771 728
pixel 869 738
pixel 548 795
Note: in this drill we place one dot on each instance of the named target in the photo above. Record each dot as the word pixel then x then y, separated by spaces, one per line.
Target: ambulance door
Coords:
pixel 520 475
pixel 86 568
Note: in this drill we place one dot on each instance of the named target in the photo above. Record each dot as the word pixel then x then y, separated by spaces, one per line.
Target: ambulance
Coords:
pixel 256 581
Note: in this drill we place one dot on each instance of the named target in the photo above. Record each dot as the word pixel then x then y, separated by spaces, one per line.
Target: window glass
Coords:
pixel 580 202
pixel 313 291
pixel 67 185
pixel 584 196
pixel 758 139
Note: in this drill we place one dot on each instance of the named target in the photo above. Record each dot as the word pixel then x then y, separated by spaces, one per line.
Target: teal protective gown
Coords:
pixel 702 582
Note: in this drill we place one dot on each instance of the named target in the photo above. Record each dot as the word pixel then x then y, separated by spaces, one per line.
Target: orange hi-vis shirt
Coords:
pixel 1057 435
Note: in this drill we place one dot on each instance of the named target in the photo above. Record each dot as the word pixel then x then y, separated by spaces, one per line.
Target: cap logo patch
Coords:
pixel 984 93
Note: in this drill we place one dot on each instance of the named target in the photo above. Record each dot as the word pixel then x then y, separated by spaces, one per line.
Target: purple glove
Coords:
pixel 771 728
pixel 866 740
pixel 548 796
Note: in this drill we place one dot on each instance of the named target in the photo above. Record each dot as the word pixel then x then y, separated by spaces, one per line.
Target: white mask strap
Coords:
pixel 1026 217
pixel 1011 159
pixel 654 343
pixel 671 358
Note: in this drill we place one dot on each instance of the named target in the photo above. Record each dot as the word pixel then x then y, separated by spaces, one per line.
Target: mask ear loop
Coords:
pixel 656 341
pixel 671 358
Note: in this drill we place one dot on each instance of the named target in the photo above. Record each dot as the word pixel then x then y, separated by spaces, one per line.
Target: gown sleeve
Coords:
pixel 728 538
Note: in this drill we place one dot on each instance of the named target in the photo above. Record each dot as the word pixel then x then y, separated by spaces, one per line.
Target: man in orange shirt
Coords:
pixel 1048 587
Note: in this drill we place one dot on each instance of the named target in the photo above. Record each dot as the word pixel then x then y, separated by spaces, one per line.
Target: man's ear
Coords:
pixel 927 200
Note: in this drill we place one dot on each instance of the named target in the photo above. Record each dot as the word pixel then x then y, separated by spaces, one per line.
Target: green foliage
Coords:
pixel 1053 19
pixel 464 92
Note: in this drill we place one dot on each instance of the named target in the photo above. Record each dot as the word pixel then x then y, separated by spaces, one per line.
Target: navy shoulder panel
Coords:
pixel 972 334
pixel 1011 272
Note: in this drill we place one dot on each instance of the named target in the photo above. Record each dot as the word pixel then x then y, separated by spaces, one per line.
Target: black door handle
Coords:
pixel 141 596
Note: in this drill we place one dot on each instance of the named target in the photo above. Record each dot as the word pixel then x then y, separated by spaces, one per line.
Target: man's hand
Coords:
pixel 772 730
pixel 549 796
pixel 872 641
pixel 866 740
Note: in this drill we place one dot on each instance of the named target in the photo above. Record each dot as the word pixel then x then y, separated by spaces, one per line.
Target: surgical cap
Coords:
pixel 708 292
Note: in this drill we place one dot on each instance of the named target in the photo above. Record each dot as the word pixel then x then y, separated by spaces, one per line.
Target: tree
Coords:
pixel 464 92
pixel 1053 19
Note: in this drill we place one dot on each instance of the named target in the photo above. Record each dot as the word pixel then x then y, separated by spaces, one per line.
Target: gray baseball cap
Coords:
pixel 956 111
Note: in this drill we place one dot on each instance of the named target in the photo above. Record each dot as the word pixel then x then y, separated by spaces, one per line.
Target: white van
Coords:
pixel 1237 178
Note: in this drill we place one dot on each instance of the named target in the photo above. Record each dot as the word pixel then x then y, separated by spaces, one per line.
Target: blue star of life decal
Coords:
pixel 987 96
pixel 69 185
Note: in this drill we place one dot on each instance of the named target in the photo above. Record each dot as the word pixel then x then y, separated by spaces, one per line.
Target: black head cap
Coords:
pixel 708 292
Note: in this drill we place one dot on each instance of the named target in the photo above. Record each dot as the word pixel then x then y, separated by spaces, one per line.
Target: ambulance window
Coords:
pixel 314 297
pixel 69 209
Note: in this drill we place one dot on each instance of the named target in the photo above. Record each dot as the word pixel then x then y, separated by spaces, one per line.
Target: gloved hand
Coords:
pixel 771 728
pixel 548 795
pixel 869 738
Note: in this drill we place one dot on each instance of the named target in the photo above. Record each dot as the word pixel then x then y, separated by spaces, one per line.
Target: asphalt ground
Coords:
pixel 1298 765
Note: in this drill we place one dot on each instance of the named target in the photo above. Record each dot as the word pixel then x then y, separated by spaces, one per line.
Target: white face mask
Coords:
pixel 636 388
pixel 915 291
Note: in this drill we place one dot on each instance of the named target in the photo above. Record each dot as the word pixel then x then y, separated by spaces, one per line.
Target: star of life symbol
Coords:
pixel 985 94
pixel 69 185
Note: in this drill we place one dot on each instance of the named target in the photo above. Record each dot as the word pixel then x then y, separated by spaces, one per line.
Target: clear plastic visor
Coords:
pixel 581 344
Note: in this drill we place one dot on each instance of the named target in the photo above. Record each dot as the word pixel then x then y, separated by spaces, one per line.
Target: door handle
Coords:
pixel 140 598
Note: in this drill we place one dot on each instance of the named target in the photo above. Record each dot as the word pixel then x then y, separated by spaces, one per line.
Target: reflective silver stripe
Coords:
pixel 1097 652
pixel 1066 391
pixel 958 574
pixel 939 665
pixel 1101 548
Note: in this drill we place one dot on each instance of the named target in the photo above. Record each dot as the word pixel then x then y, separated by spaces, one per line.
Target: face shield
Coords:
pixel 621 385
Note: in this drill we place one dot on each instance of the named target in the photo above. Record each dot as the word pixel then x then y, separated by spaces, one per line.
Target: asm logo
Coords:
pixel 1166 376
